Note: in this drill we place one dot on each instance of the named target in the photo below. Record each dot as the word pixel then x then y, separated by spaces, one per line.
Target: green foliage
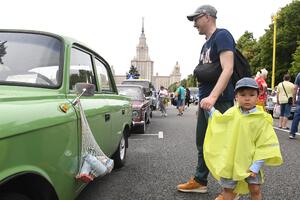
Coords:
pixel 191 81
pixel 295 69
pixel 172 87
pixel 248 46
pixel 2 50
pixel 260 53
pixel 287 35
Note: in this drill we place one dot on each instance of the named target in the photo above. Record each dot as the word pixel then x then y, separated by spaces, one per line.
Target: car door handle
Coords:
pixel 123 111
pixel 107 116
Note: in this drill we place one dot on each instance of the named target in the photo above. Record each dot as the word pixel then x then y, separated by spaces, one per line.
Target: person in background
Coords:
pixel 187 96
pixel 162 97
pixel 240 142
pixel 285 90
pixel 180 94
pixel 260 79
pixel 219 47
pixel 296 119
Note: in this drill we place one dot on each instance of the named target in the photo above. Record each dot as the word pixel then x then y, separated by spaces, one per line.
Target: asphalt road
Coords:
pixel 156 165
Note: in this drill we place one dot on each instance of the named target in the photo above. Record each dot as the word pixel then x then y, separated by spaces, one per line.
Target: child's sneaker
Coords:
pixel 221 197
pixel 192 186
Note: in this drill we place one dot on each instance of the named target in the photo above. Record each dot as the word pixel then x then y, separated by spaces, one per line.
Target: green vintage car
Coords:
pixel 40 129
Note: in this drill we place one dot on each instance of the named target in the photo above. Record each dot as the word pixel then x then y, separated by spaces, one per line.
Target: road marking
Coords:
pixel 135 139
pixel 153 134
pixel 160 134
pixel 283 130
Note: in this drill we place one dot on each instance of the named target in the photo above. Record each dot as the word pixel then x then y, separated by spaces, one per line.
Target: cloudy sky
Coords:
pixel 112 27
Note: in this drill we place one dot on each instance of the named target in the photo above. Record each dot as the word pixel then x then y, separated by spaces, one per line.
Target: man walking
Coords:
pixel 219 47
pixel 180 93
pixel 296 118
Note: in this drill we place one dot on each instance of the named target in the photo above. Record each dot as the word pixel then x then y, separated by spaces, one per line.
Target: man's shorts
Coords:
pixel 180 103
pixel 285 110
pixel 231 184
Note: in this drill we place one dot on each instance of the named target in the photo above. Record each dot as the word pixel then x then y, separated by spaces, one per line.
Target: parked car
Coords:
pixel 194 95
pixel 148 89
pixel 40 125
pixel 141 110
pixel 272 100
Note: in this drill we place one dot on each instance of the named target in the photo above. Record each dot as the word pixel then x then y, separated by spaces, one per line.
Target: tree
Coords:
pixel 133 73
pixel 191 81
pixel 2 51
pixel 247 44
pixel 288 33
pixel 295 69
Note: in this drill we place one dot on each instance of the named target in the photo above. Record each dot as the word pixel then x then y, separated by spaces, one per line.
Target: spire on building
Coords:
pixel 142 47
pixel 142 61
pixel 143 25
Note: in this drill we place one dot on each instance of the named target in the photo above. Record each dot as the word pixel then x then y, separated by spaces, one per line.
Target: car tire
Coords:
pixel 13 196
pixel 142 127
pixel 119 156
pixel 148 118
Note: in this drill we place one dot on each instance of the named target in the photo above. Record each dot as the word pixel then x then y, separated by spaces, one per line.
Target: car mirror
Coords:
pixel 85 89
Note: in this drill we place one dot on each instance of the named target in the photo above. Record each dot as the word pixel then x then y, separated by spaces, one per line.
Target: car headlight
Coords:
pixel 135 114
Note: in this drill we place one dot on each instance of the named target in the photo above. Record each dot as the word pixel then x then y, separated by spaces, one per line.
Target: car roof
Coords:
pixel 65 39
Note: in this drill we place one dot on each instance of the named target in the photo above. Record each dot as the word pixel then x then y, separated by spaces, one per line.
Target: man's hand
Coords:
pixel 207 103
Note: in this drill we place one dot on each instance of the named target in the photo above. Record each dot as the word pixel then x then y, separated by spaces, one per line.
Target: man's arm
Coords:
pixel 295 93
pixel 227 62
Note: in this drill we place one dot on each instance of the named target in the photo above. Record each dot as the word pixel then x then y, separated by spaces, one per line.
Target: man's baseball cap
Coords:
pixel 203 10
pixel 246 83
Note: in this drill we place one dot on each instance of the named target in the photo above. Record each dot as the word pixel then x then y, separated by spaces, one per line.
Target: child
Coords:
pixel 239 142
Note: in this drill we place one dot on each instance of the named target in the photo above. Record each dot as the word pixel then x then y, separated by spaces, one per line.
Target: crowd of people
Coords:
pixel 180 98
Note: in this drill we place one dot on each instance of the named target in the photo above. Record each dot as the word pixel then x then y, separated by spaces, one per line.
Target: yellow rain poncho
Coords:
pixel 234 141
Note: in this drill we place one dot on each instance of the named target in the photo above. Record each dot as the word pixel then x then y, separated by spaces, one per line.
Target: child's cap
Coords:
pixel 246 83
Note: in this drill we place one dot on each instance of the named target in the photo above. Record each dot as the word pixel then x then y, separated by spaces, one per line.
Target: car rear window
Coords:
pixel 29 59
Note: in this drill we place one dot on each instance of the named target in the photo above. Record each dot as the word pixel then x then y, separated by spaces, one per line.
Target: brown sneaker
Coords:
pixel 192 186
pixel 220 197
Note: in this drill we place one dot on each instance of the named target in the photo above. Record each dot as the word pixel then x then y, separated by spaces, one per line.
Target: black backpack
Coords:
pixel 241 67
pixel 210 72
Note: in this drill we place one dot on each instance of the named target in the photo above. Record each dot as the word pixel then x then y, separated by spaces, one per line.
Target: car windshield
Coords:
pixel 134 93
pixel 29 59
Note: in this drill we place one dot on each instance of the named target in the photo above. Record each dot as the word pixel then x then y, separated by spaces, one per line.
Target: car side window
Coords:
pixel 103 77
pixel 81 68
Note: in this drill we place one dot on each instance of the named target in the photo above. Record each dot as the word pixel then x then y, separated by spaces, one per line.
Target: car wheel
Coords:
pixel 13 196
pixel 120 155
pixel 143 127
pixel 148 118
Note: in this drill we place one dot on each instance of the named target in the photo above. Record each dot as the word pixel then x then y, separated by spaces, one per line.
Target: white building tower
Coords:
pixel 142 61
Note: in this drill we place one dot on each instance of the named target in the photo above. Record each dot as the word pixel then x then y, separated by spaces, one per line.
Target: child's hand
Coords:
pixel 252 174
